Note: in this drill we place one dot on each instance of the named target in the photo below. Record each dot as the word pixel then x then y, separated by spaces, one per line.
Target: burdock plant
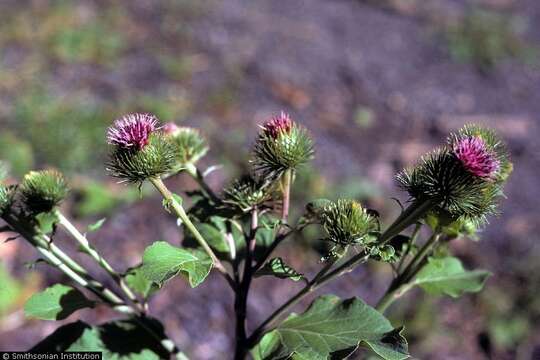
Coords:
pixel 452 190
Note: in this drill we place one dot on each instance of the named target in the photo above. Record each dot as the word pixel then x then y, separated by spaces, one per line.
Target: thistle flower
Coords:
pixel 282 145
pixel 190 144
pixel 347 223
pixel 481 152
pixel 136 166
pixel 132 131
pixel 246 193
pixel 139 151
pixel 475 157
pixel 43 190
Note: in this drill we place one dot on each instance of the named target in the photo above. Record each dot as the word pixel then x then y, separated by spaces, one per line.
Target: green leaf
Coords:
pixel 56 303
pixel 278 268
pixel 214 233
pixel 97 225
pixel 178 198
pixel 270 348
pixel 447 276
pixel 46 222
pixel 136 280
pixel 118 340
pixel 162 261
pixel 331 326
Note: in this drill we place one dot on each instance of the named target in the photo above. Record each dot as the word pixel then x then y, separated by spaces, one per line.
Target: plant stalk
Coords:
pixel 408 217
pixel 412 240
pixel 400 284
pixel 286 188
pixel 57 258
pixel 88 249
pixel 242 292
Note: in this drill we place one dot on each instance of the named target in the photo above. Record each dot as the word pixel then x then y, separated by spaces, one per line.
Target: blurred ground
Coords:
pixel 377 82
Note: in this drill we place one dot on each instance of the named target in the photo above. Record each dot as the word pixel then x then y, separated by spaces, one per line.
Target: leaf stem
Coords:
pixel 400 283
pixel 88 249
pixel 410 244
pixel 409 216
pixel 286 181
pixel 58 259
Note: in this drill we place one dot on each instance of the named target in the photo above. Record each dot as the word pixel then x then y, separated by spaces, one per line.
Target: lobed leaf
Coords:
pixel 162 261
pixel 331 326
pixel 56 303
pixel 447 276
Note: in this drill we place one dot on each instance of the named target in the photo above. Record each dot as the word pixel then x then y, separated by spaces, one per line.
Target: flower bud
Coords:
pixel 282 145
pixel 190 144
pixel 170 129
pixel 246 193
pixel 347 223
pixel 43 190
pixel 6 197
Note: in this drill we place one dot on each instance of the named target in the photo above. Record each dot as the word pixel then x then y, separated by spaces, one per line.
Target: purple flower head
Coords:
pixel 476 157
pixel 278 125
pixel 132 130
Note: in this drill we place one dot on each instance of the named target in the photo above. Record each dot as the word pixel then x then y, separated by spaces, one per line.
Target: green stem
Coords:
pixel 410 244
pixel 400 285
pixel 196 174
pixel 286 188
pixel 43 244
pixel 416 263
pixel 408 217
pixel 88 249
pixel 65 264
pixel 180 212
